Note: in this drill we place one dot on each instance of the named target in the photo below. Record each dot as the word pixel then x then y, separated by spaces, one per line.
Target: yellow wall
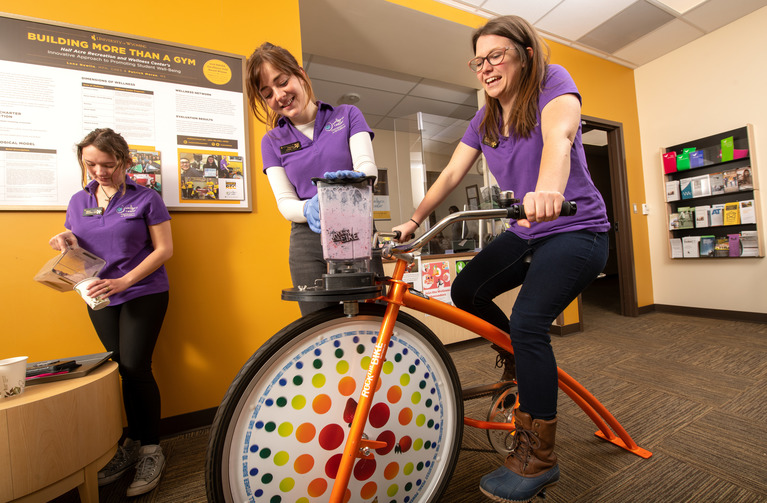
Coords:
pixel 227 270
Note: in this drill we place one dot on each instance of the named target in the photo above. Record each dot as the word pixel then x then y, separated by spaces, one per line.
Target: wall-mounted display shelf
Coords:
pixel 712 197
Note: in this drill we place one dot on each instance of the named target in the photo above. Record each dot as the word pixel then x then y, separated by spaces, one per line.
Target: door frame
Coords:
pixel 624 241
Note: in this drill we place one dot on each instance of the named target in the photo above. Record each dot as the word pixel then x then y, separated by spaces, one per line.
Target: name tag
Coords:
pixel 89 212
pixel 290 147
pixel 490 143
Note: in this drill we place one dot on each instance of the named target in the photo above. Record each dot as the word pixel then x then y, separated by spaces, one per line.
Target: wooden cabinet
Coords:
pixel 713 204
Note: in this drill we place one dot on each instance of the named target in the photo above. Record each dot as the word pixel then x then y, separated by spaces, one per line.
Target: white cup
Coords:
pixel 95 303
pixel 13 376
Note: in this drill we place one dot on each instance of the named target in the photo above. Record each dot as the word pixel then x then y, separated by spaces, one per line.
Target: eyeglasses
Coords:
pixel 494 58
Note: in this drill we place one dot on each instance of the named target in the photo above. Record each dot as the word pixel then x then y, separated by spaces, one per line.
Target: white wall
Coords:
pixel 714 84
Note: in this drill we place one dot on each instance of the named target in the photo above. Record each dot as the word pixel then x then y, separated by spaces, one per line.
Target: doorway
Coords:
pixel 615 290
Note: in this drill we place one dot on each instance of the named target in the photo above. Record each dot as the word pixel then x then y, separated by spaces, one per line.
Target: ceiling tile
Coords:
pixel 681 6
pixel 373 120
pixel 464 6
pixel 452 133
pixel 411 105
pixel 374 101
pixel 532 11
pixel 674 34
pixel 574 18
pixel 440 121
pixel 446 92
pixel 717 13
pixel 359 75
pixel 637 20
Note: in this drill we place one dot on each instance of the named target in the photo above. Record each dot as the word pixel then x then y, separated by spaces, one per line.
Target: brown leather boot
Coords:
pixel 531 466
pixel 506 360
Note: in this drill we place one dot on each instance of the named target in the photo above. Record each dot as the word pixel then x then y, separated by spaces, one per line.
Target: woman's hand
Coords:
pixel 541 206
pixel 406 230
pixel 63 241
pixel 104 288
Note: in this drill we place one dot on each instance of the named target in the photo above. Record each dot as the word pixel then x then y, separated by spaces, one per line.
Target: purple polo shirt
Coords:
pixel 121 235
pixel 516 161
pixel 303 158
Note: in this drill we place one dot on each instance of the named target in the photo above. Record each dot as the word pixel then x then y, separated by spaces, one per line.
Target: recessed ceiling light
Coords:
pixel 349 99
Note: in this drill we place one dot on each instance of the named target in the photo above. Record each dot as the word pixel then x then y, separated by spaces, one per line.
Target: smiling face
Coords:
pixel 285 95
pixel 102 167
pixel 499 81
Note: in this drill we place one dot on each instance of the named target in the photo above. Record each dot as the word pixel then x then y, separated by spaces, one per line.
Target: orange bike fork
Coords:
pixel 355 444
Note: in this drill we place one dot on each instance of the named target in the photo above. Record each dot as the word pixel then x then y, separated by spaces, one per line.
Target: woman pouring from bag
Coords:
pixel 129 227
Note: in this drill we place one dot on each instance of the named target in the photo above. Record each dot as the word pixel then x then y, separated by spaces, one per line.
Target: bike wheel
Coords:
pixel 501 411
pixel 280 430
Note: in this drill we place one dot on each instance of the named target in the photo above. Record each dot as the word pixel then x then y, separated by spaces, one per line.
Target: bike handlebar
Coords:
pixel 516 211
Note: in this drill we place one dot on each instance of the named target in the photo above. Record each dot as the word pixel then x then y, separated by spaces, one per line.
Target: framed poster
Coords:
pixel 175 105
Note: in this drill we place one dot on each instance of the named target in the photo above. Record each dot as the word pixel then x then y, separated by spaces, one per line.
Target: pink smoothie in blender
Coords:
pixel 346 219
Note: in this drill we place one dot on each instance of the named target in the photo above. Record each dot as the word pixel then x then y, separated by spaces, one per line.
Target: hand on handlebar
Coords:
pixel 405 231
pixel 541 206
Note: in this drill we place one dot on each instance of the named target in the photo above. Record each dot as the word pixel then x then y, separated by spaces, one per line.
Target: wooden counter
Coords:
pixel 57 436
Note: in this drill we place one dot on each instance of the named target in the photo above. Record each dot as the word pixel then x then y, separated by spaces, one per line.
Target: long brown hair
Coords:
pixel 282 61
pixel 523 116
pixel 109 142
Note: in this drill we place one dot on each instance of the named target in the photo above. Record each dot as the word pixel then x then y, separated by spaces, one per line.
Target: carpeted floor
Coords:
pixel 690 390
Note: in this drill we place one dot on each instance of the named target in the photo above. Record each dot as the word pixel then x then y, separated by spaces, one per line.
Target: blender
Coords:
pixel 346 222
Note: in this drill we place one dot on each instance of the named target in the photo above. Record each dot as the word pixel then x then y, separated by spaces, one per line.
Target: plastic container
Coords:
pixel 72 266
pixel 346 220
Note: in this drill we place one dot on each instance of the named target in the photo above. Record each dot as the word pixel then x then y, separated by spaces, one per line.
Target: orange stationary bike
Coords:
pixel 362 402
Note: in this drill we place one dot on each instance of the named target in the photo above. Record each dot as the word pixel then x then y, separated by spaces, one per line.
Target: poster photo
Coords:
pixel 435 280
pixel 202 174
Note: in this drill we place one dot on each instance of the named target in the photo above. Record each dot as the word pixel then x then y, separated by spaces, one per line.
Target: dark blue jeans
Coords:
pixel 562 266
pixel 130 330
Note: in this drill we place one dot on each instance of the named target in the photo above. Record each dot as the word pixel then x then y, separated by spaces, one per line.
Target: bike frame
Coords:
pixel 398 294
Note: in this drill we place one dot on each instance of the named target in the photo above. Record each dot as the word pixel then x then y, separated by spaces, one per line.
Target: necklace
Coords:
pixel 109 198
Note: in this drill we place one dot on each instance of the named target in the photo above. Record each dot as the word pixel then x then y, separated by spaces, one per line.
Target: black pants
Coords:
pixel 562 266
pixel 130 330
pixel 306 263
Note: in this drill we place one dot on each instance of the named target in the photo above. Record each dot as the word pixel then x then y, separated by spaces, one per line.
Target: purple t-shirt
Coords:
pixel 516 161
pixel 121 235
pixel 303 158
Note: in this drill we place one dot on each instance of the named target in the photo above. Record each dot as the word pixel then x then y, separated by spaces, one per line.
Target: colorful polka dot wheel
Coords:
pixel 291 447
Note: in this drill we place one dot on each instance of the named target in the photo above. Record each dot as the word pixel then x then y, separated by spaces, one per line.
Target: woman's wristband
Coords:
pixel 416 223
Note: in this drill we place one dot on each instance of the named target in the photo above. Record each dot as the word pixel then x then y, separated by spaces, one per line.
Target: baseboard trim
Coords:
pixel 174 425
pixel 718 314
pixel 563 330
